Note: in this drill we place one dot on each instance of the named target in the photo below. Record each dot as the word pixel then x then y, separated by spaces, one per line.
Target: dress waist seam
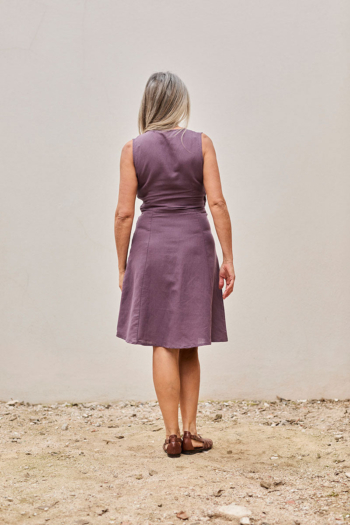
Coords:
pixel 161 211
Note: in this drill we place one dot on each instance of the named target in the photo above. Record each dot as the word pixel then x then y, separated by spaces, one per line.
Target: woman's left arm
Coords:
pixel 124 214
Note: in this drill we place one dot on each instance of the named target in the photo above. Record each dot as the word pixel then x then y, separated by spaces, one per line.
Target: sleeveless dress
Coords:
pixel 171 295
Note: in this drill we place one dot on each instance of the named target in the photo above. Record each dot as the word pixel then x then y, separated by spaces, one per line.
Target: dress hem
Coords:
pixel 148 343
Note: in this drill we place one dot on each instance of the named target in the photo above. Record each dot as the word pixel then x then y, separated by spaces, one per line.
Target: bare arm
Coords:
pixel 124 214
pixel 220 214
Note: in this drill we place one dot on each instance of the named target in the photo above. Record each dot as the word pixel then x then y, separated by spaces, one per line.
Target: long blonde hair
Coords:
pixel 165 103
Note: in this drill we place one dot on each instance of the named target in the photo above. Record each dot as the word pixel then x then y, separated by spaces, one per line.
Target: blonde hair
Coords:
pixel 165 103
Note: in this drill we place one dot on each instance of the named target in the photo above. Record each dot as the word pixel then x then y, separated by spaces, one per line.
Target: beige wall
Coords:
pixel 269 82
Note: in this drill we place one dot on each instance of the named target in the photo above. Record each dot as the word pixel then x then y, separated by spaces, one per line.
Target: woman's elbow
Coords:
pixel 218 205
pixel 123 215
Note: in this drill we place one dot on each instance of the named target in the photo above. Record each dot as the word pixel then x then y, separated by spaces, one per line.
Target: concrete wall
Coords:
pixel 269 83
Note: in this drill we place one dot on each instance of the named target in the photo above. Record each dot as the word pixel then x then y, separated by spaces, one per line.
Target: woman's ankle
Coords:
pixel 170 432
pixel 191 427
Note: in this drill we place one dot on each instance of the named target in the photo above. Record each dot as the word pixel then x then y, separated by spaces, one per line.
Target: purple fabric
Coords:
pixel 171 295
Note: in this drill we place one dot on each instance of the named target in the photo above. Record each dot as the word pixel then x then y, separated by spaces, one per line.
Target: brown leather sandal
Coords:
pixel 188 448
pixel 174 447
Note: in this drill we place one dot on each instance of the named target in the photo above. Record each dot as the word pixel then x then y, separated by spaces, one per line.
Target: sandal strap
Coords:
pixel 172 438
pixel 197 437
pixel 207 443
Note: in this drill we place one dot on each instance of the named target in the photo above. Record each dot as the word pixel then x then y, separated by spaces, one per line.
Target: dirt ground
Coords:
pixel 288 462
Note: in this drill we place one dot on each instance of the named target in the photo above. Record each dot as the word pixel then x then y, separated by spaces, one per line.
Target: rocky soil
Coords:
pixel 285 462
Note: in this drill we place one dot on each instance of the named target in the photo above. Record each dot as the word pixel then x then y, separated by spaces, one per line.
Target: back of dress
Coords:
pixel 169 169
pixel 171 295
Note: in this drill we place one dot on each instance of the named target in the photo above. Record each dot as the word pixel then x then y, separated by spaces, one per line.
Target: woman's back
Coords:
pixel 169 169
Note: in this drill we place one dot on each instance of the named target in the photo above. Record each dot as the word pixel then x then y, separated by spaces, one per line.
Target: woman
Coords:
pixel 171 284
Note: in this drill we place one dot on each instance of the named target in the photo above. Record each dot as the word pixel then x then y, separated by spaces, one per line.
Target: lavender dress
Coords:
pixel 171 295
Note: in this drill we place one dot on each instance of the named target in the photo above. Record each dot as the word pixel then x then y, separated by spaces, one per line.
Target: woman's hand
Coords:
pixel 227 273
pixel 121 277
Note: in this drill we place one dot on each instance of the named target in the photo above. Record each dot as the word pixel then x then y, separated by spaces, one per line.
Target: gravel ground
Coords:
pixel 287 462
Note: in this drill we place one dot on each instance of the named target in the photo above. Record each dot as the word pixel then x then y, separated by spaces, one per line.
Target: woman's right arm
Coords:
pixel 220 214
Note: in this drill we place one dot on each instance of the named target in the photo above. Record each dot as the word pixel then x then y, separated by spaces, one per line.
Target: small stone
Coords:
pixel 12 402
pixel 265 484
pixel 244 521
pixel 229 452
pixel 278 482
pixel 182 515
pixel 152 472
pixel 233 510
pixel 139 476
pixel 347 474
pixel 218 417
pixel 64 426
pixel 102 511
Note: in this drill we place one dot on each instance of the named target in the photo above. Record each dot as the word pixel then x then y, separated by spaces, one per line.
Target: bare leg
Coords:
pixel 189 389
pixel 166 380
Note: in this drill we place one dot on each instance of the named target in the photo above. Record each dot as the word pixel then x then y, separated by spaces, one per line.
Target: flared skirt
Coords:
pixel 171 295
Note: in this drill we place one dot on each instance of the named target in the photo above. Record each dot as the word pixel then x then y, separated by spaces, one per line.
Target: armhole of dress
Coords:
pixel 201 147
pixel 202 157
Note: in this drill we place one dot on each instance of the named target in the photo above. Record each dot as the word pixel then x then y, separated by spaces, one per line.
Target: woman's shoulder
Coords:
pixel 132 143
pixel 127 148
pixel 206 140
pixel 127 152
pixel 205 137
pixel 207 143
